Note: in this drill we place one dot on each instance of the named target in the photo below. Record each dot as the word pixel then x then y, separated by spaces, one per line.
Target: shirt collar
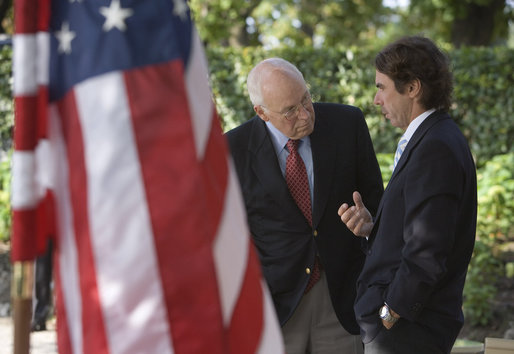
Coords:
pixel 279 140
pixel 413 126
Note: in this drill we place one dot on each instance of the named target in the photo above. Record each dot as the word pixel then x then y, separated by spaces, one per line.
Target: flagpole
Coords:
pixel 21 294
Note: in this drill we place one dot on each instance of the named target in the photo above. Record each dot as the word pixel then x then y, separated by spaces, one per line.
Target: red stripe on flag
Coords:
pixel 25 19
pixel 245 334
pixel 43 20
pixel 215 175
pixel 63 328
pixel 42 111
pixel 24 228
pixel 25 122
pixel 94 336
pixel 176 200
pixel 32 228
pixel 45 221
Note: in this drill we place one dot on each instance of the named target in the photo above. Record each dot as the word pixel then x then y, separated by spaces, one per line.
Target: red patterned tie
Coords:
pixel 298 183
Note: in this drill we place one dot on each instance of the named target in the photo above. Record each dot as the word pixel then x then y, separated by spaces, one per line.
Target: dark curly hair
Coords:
pixel 417 57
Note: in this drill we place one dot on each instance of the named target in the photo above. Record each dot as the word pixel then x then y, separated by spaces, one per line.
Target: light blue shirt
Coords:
pixel 279 141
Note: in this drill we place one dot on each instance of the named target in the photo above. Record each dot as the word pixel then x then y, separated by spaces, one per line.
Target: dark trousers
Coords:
pixel 43 290
pixel 404 338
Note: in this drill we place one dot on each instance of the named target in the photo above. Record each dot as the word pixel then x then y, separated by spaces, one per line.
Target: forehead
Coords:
pixel 382 79
pixel 283 89
pixel 280 78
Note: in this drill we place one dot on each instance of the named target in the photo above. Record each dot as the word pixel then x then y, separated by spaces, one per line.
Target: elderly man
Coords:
pixel 297 162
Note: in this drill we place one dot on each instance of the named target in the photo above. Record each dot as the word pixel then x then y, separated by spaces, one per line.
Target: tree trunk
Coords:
pixel 477 26
pixel 238 36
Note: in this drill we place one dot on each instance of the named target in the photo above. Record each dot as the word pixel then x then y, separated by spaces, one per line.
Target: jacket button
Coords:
pixel 308 270
pixel 315 233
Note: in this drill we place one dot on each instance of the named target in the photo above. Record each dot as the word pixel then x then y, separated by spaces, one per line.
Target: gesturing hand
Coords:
pixel 357 218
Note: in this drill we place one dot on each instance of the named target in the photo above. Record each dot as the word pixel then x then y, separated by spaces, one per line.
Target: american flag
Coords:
pixel 117 137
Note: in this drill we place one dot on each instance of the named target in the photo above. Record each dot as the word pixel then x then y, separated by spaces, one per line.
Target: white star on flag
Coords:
pixel 65 36
pixel 115 16
pixel 180 9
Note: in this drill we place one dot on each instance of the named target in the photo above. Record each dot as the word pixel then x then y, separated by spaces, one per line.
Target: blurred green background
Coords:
pixel 333 43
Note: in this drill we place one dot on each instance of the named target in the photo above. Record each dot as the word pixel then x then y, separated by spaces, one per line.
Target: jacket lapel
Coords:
pixel 413 142
pixel 265 164
pixel 416 138
pixel 323 157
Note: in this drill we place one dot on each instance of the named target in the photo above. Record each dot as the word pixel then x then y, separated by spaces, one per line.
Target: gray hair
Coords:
pixel 261 71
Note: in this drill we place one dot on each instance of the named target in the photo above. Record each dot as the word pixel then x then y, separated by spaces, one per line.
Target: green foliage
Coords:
pixel 386 161
pixel 480 289
pixel 483 96
pixel 509 270
pixel 496 198
pixel 495 182
pixel 5 204
pixel 484 99
pixel 223 23
pixel 281 23
pixel 6 103
pixel 320 23
pixel 6 126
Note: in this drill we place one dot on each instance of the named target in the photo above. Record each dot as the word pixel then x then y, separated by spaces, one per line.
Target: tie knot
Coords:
pixel 292 145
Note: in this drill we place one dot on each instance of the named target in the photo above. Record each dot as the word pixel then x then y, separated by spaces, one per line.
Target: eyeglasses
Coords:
pixel 293 112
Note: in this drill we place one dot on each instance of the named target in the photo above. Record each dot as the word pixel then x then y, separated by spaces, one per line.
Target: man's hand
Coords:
pixel 390 325
pixel 357 218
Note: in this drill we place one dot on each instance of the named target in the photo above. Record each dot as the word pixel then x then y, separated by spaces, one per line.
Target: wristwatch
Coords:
pixel 385 314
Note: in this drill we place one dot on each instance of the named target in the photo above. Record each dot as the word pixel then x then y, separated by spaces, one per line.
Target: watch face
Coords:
pixel 383 312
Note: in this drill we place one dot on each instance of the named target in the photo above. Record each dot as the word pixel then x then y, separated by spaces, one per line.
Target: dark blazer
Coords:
pixel 344 161
pixel 424 233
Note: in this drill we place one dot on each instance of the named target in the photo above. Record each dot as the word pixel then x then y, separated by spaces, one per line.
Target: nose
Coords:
pixel 377 100
pixel 303 112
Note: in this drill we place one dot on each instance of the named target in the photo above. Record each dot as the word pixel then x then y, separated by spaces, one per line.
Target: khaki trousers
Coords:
pixel 314 327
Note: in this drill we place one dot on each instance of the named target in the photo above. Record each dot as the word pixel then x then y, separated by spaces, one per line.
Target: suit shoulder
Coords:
pixel 444 128
pixel 445 139
pixel 238 138
pixel 239 135
pixel 336 114
pixel 337 108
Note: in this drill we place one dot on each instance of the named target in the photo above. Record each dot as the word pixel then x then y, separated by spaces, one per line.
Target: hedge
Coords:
pixel 6 102
pixel 483 90
pixel 483 94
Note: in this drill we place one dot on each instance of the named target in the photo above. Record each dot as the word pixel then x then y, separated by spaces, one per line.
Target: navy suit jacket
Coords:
pixel 424 233
pixel 344 161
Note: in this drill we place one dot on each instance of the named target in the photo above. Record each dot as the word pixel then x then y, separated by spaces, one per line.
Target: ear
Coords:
pixel 261 113
pixel 414 88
